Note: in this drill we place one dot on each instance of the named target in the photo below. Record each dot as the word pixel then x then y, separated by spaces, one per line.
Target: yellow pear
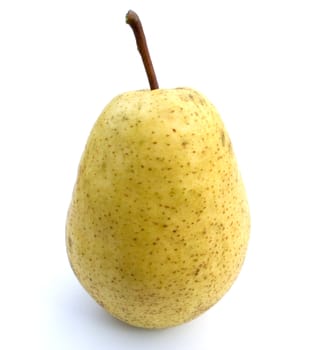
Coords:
pixel 158 226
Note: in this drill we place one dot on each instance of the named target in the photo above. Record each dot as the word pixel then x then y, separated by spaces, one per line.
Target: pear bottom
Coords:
pixel 165 297
pixel 162 302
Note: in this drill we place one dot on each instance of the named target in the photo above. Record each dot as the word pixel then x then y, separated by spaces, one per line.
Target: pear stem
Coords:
pixel 133 20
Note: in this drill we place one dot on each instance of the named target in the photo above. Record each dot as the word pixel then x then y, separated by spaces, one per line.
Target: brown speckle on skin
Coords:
pixel 70 242
pixel 202 100
pixel 223 138
pixel 101 303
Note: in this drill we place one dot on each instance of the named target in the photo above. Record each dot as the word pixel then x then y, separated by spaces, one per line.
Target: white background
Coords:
pixel 259 62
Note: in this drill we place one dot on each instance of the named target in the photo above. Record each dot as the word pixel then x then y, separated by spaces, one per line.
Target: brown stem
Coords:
pixel 133 20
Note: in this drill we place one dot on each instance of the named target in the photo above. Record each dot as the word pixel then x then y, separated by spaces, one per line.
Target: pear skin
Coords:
pixel 159 223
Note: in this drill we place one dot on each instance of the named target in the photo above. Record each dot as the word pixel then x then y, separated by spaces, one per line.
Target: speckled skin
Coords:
pixel 158 225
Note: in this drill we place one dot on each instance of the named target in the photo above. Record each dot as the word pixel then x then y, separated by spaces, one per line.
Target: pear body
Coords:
pixel 158 225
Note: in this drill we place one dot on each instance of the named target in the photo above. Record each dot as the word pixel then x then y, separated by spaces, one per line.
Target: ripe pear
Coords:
pixel 159 223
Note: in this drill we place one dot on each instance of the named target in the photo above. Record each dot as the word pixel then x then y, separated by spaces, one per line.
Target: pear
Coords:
pixel 158 226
